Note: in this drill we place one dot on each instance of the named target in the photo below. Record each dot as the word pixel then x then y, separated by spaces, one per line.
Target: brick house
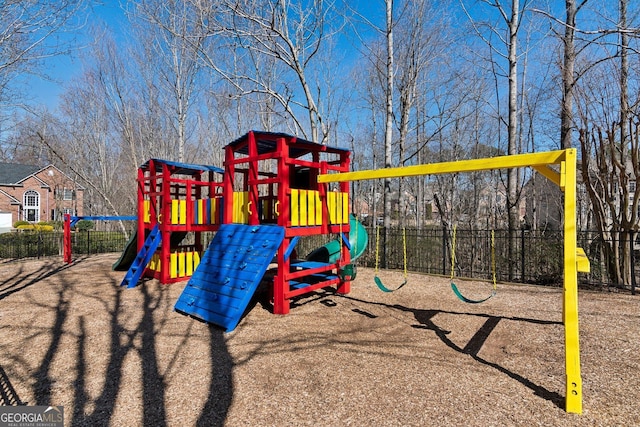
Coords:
pixel 35 194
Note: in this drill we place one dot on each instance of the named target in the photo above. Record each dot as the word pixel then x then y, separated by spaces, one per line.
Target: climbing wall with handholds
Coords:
pixel 229 273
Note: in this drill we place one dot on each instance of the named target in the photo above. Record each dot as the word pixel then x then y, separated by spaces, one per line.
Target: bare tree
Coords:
pixel 291 32
pixel 28 32
pixel 510 14
pixel 176 40
pixel 419 35
pixel 568 71
pixel 609 146
pixel 388 124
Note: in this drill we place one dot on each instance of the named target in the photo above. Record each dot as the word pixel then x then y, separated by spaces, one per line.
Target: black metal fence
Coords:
pixel 38 244
pixel 536 258
pixel 30 244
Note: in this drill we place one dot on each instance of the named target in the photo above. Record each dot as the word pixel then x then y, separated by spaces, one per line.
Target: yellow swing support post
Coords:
pixel 563 174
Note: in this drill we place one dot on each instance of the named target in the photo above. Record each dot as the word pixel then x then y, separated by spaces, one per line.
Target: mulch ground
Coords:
pixel 70 336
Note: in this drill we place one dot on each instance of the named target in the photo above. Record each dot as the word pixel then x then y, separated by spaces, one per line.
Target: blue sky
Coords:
pixel 62 69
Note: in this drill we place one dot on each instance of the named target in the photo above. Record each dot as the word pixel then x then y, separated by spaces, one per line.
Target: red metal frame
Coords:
pixel 286 150
pixel 160 182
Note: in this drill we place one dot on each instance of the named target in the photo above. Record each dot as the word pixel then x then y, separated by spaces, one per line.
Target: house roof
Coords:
pixel 12 199
pixel 14 173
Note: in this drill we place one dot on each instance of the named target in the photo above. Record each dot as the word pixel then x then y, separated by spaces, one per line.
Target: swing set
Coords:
pixel 559 167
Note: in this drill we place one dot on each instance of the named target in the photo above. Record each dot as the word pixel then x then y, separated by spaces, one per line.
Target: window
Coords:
pixel 632 187
pixel 31 204
pixel 67 194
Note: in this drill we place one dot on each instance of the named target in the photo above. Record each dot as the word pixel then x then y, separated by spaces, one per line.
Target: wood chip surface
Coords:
pixel 415 357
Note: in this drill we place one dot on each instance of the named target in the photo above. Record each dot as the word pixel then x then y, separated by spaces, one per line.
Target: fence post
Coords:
pixel 39 245
pixel 88 245
pixel 384 248
pixel 632 261
pixel 444 250
pixel 522 255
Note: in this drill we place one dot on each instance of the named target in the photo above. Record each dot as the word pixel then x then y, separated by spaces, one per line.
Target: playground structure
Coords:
pixel 275 190
pixel 575 260
pixel 264 200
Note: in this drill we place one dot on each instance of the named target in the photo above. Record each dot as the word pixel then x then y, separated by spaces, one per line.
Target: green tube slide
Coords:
pixel 330 253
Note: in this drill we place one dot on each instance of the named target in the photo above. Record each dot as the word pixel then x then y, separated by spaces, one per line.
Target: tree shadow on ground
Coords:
pixel 220 396
pixel 143 341
pixel 129 331
pixel 473 346
pixel 21 280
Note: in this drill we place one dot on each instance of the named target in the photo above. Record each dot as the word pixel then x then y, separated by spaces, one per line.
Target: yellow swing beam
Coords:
pixel 574 259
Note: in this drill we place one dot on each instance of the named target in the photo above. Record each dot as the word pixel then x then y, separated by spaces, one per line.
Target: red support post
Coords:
pixel 141 210
pixel 345 285
pixel 67 239
pixel 280 286
pixel 165 224
pixel 252 179
pixel 227 188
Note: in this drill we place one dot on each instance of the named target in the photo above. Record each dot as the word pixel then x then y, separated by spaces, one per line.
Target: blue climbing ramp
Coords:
pixel 229 273
pixel 139 264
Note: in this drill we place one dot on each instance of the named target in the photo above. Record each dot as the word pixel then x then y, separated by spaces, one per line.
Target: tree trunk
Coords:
pixel 568 65
pixel 388 130
pixel 512 194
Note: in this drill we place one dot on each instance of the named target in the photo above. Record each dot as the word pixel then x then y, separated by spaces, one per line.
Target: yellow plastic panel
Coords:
pixel 190 263
pixel 183 212
pixel 295 203
pixel 303 208
pixel 154 264
pixel 345 208
pixel 331 204
pixel 173 265
pixel 245 207
pixel 583 262
pixel 147 211
pixel 318 208
pixel 311 208
pixel 240 207
pixel 174 212
pixel 236 201
pixel 181 264
pixel 201 206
